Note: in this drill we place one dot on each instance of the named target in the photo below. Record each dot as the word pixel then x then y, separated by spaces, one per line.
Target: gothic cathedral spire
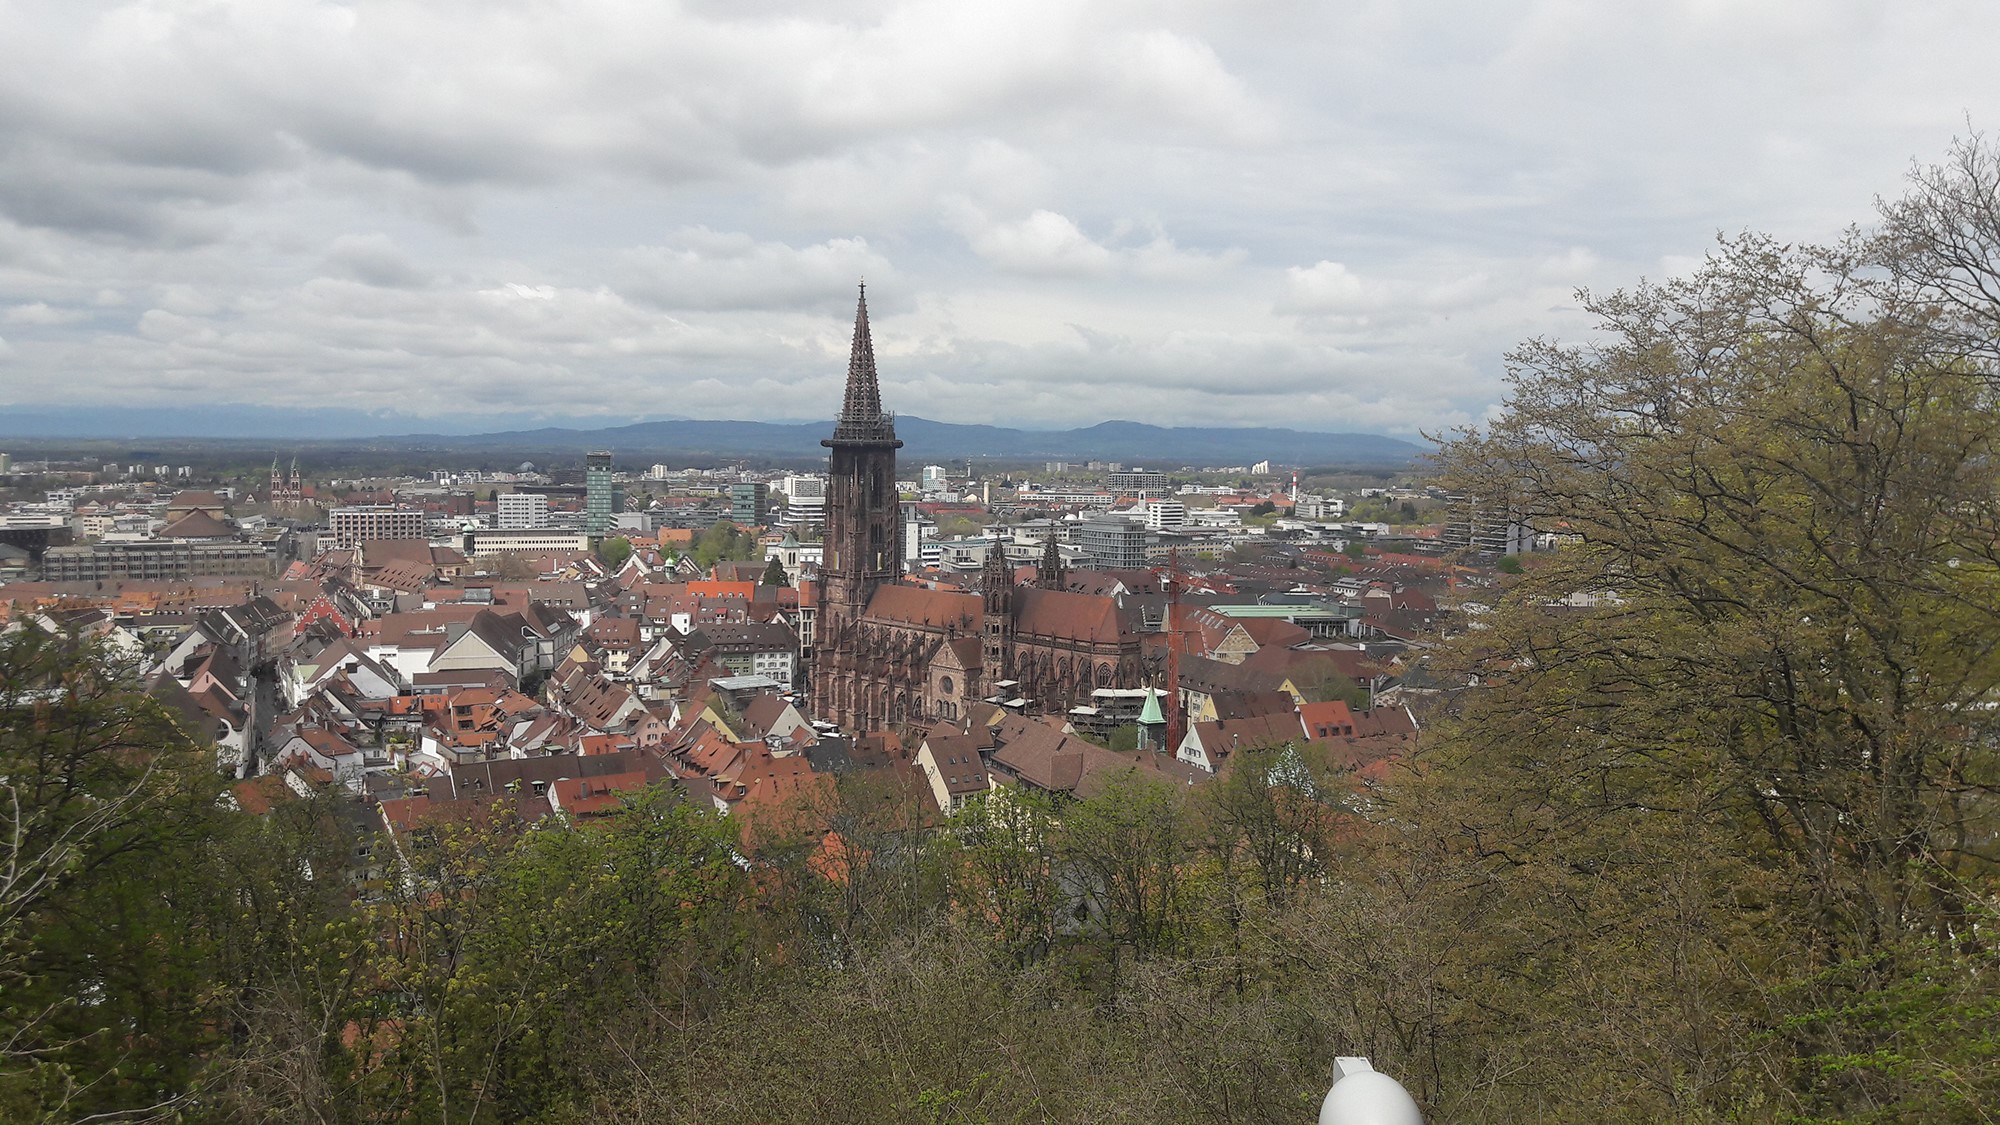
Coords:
pixel 864 535
pixel 861 414
pixel 1051 575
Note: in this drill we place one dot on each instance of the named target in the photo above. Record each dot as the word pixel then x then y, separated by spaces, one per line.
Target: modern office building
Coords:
pixel 363 522
pixel 543 541
pixel 1134 480
pixel 1166 515
pixel 602 498
pixel 750 503
pixel 168 559
pixel 1112 543
pixel 522 511
pixel 1484 528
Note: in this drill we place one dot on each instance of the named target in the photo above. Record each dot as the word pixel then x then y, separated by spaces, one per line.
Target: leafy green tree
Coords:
pixel 520 950
pixel 1274 810
pixel 774 573
pixel 294 961
pixel 1784 490
pixel 106 808
pixel 1005 871
pixel 1128 848
pixel 724 540
pixel 613 552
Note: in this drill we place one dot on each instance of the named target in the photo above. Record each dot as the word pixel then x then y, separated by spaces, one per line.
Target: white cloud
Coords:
pixel 41 312
pixel 703 269
pixel 1043 244
pixel 1309 215
pixel 1324 287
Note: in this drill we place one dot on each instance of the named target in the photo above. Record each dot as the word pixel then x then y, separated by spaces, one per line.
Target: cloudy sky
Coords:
pixel 1330 215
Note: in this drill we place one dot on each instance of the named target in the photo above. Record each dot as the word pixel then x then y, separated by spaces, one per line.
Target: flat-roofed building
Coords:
pixel 155 558
pixel 522 511
pixel 352 525
pixel 476 543
pixel 1111 543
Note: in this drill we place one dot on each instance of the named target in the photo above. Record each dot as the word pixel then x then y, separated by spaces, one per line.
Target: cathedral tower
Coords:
pixel 1051 575
pixel 864 527
pixel 996 595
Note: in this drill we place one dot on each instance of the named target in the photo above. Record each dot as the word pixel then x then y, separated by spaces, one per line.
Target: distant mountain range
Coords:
pixel 923 439
pixel 679 439
pixel 246 421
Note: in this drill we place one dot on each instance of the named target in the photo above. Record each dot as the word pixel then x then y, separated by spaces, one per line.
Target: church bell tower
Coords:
pixel 864 524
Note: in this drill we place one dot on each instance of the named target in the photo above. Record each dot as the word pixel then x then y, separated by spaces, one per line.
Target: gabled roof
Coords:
pixel 1218 739
pixel 1327 720
pixel 1248 704
pixel 594 796
pixel 1199 673
pixel 1270 631
pixel 1038 752
pixel 763 712
pixel 188 712
pixel 954 752
pixel 961 653
pixel 198 525
pixel 1060 613
pixel 761 635
pixel 914 605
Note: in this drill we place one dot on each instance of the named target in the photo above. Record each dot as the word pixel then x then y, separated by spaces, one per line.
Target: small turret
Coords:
pixel 1051 575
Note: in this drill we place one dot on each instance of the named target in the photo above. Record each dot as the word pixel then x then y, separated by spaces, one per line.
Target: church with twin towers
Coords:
pixel 889 652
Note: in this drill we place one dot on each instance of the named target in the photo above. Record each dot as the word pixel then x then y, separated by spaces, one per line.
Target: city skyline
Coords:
pixel 1241 215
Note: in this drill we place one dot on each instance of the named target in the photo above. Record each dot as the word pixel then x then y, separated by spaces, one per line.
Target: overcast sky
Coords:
pixel 1324 215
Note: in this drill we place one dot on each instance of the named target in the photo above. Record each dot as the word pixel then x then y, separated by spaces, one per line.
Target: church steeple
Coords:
pixel 996 580
pixel 861 415
pixel 863 549
pixel 1050 575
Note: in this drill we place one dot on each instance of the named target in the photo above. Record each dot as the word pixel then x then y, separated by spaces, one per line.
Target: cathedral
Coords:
pixel 890 653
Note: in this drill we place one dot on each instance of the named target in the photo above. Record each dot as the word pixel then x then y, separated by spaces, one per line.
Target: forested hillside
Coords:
pixel 1703 826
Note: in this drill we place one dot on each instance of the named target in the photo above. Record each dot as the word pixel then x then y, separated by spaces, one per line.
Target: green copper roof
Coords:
pixel 1151 712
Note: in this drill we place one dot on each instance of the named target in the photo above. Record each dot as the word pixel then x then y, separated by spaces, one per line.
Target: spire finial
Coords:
pixel 861 414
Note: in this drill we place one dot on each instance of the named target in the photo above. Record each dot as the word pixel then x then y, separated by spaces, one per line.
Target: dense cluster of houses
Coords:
pixel 407 678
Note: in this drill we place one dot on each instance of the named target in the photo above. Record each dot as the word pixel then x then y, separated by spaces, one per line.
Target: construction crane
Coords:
pixel 1176 716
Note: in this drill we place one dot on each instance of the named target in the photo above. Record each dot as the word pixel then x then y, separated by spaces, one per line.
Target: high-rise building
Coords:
pixel 749 503
pixel 522 511
pixel 602 498
pixel 1166 515
pixel 1484 528
pixel 1137 480
pixel 1113 543
pixel 805 504
pixel 364 522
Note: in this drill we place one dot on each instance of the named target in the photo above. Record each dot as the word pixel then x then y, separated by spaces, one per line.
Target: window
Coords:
pixel 944 684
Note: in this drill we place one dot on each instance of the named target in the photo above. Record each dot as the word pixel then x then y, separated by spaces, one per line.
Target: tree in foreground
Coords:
pixel 1753 785
pixel 106 803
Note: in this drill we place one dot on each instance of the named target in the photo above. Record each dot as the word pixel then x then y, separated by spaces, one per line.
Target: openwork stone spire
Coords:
pixel 861 415
pixel 1049 575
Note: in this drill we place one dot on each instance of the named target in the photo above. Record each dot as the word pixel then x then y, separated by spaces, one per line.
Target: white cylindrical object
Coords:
pixel 1362 1095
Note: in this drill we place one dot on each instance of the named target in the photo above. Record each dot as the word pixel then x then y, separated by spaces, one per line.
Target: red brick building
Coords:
pixel 887 652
